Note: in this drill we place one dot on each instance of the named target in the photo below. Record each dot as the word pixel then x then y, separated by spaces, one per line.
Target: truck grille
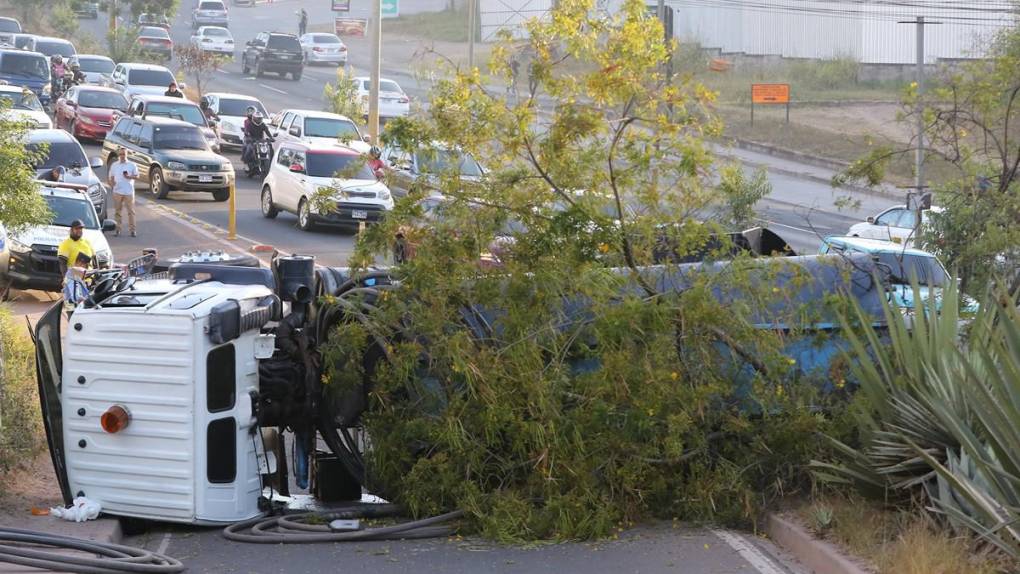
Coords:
pixel 44 259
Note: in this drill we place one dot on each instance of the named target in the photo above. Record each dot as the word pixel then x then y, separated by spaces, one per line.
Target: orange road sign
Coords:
pixel 770 93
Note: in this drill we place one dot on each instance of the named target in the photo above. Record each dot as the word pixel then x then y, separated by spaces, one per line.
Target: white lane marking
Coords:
pixel 164 544
pixel 277 90
pixel 790 226
pixel 748 552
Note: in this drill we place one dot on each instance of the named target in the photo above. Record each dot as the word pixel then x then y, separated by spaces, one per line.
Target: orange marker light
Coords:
pixel 115 419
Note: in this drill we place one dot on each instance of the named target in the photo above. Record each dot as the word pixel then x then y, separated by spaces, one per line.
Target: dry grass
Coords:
pixel 897 541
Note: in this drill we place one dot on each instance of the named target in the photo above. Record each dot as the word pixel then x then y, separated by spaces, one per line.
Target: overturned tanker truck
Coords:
pixel 164 396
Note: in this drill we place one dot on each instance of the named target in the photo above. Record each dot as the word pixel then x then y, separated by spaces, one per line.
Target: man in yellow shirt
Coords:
pixel 73 245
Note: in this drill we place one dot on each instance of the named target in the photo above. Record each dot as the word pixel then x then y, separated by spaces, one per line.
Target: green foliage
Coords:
pixel 63 20
pixel 167 7
pixel 825 74
pixel 122 45
pixel 741 193
pixel 21 434
pixel 939 414
pixel 342 98
pixel 198 64
pixel 569 393
pixel 21 205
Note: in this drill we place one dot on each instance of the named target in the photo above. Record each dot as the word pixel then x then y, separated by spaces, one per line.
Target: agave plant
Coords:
pixel 939 414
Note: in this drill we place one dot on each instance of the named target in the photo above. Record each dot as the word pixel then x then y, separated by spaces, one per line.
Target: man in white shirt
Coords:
pixel 121 180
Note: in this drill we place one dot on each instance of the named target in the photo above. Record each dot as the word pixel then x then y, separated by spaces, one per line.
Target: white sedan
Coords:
pixel 214 39
pixel 300 171
pixel 897 224
pixel 393 102
pixel 321 47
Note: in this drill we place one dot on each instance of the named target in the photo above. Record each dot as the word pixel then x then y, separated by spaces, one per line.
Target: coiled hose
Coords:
pixel 314 527
pixel 113 558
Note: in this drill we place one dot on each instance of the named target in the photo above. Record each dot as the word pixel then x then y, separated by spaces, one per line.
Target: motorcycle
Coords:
pixel 260 158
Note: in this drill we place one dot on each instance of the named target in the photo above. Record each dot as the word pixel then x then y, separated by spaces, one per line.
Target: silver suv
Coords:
pixel 59 148
pixel 209 13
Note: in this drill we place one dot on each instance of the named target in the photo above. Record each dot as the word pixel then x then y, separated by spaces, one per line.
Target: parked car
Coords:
pixel 299 171
pixel 97 69
pixel 156 41
pixel 137 79
pixel 28 70
pixel 896 224
pixel 231 110
pixel 22 105
pixel 58 148
pixel 210 13
pixel 171 155
pixel 87 112
pixel 393 102
pixel 320 128
pixel 321 47
pixel 29 259
pixel 85 9
pixel 48 46
pixel 174 108
pixel 273 52
pixel 426 165
pixel 214 39
pixel 9 27
pixel 150 19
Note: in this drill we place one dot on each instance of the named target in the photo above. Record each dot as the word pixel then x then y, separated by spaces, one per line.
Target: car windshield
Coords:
pixel 21 101
pixel 217 32
pixel 24 65
pixel 211 6
pixel 331 128
pixel 331 164
pixel 96 65
pixel 904 267
pixel 327 39
pixel 150 77
pixel 440 161
pixel 8 25
pixel 65 210
pixel 51 48
pixel 185 112
pixel 179 137
pixel 52 154
pixel 104 100
pixel 153 32
pixel 229 107
pixel 287 43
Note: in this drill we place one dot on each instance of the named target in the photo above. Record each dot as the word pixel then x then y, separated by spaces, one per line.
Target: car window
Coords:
pixel 211 5
pixel 325 39
pixel 908 220
pixel 441 161
pixel 186 112
pixel 65 210
pixel 345 165
pixel 95 65
pixel 102 100
pixel 122 127
pixel 179 137
pixel 150 77
pixel 331 128
pixel 52 154
pixel 905 267
pixel 230 107
pixel 285 122
pixel 50 48
pixel 132 135
pixel 31 66
pixel 387 86
pixel 145 137
pixel 24 100
pixel 890 217
pixel 287 43
pixel 217 32
pixel 285 156
pixel 153 32
pixel 9 25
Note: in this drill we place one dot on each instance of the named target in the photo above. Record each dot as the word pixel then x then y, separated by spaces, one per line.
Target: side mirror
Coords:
pixel 366 138
pixel 109 225
pixel 95 162
pixel 182 86
pixel 871 220
pixel 295 131
pixel 297 168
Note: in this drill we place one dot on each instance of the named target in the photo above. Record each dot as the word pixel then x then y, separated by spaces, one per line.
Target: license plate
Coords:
pixel 205 179
pixel 359 214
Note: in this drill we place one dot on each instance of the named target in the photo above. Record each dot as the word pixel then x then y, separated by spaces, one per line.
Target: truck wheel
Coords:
pixel 157 184
pixel 221 194
pixel 269 211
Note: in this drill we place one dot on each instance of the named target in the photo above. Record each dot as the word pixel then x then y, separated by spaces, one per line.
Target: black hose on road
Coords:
pixel 314 527
pixel 22 547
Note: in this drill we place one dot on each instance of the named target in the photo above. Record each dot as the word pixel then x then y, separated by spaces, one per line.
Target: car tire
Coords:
pixel 304 216
pixel 259 72
pixel 296 75
pixel 244 65
pixel 221 194
pixel 269 210
pixel 157 183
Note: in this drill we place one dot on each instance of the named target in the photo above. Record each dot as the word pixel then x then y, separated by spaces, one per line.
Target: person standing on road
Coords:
pixel 121 180
pixel 75 244
pixel 302 22
pixel 173 92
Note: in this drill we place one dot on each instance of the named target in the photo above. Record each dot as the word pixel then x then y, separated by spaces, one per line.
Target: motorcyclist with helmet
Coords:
pixel 77 76
pixel 57 71
pixel 375 162
pixel 255 130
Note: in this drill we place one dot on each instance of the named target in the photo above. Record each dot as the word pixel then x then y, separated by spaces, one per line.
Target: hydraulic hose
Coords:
pixel 22 547
pixel 314 527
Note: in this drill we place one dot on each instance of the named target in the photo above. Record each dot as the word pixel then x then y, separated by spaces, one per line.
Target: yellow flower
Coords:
pixel 674 375
pixel 603 248
pixel 792 361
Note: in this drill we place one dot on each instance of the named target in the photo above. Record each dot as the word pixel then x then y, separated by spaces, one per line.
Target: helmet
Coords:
pixel 58 59
pixel 75 66
pixel 257 117
pixel 375 152
pixel 250 110
pixel 204 104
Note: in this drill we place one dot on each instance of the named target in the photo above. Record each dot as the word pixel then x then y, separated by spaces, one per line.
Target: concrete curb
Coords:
pixel 819 556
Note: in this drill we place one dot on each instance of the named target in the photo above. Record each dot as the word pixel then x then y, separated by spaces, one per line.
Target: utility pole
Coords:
pixel 919 185
pixel 114 10
pixel 373 92
pixel 472 7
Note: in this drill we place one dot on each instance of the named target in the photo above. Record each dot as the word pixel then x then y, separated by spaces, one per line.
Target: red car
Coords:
pixel 87 111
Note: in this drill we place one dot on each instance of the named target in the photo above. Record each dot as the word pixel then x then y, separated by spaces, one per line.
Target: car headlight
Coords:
pixel 96 190
pixel 384 195
pixel 176 165
pixel 227 167
pixel 19 246
pixel 86 120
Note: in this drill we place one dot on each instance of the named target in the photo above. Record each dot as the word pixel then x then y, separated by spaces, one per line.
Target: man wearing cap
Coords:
pixel 76 243
pixel 121 179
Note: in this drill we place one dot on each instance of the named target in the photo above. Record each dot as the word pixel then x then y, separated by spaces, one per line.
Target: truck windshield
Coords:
pixel 65 210
pixel 24 66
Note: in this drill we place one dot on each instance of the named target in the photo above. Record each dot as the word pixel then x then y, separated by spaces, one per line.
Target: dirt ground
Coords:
pixel 32 486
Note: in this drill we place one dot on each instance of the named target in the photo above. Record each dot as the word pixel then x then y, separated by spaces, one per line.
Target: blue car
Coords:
pixel 26 69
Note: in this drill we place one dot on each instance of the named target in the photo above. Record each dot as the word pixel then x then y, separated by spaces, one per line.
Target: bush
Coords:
pixel 21 435
pixel 825 74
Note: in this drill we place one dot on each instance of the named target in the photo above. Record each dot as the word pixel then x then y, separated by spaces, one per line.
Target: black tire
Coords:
pixel 157 183
pixel 259 71
pixel 296 75
pixel 304 218
pixel 221 194
pixel 244 64
pixel 269 210
pixel 133 526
